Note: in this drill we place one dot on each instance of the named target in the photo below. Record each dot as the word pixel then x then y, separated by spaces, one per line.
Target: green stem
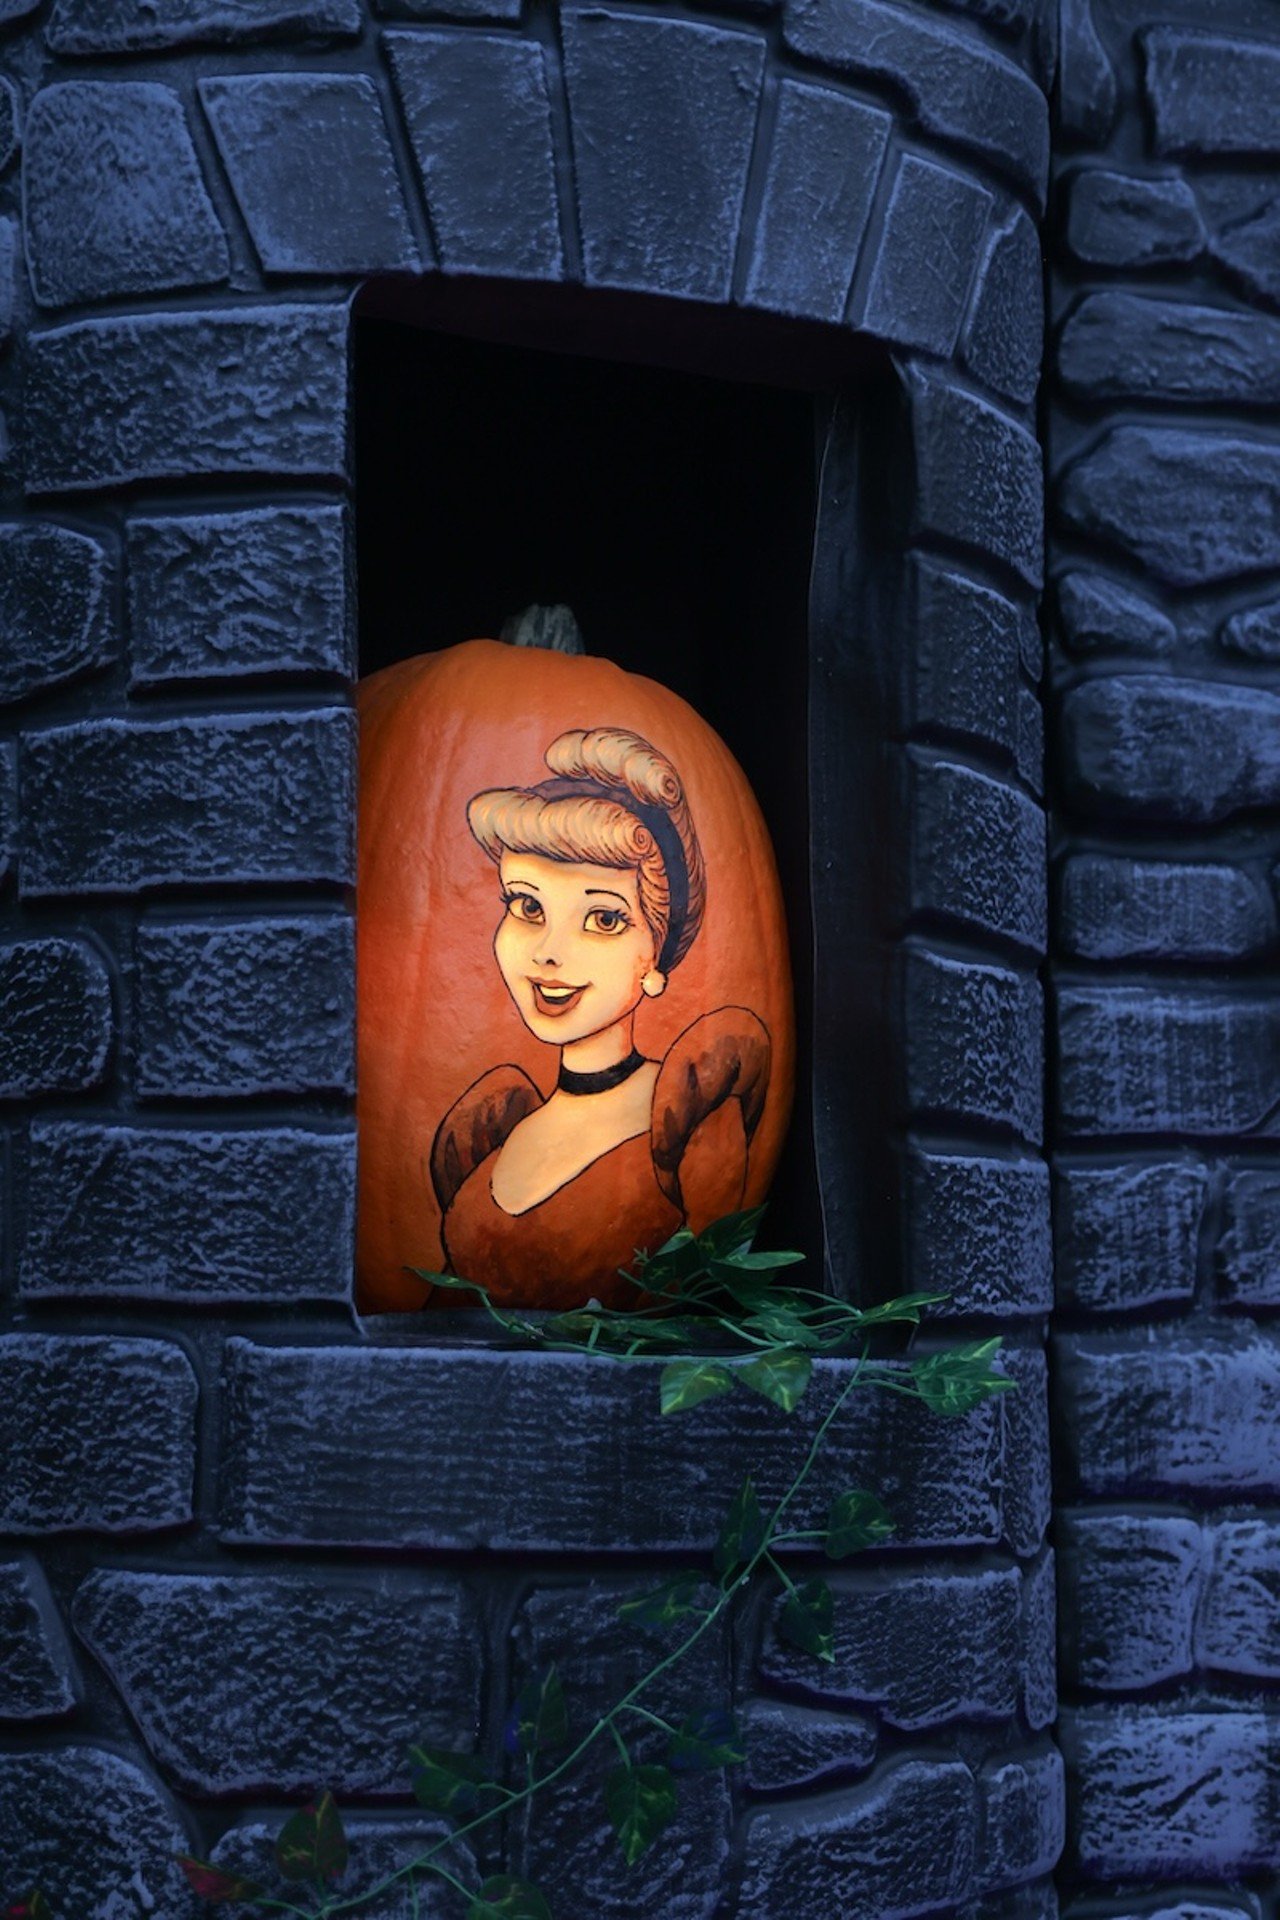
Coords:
pixel 782 1573
pixel 618 1741
pixel 655 1719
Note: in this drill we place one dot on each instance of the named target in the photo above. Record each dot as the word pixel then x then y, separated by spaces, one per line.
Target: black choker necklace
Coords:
pixel 571 1082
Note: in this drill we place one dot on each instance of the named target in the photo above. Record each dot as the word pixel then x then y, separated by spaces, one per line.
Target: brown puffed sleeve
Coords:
pixel 706 1107
pixel 477 1124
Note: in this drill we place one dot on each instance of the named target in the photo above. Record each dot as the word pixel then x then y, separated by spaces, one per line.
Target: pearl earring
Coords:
pixel 653 983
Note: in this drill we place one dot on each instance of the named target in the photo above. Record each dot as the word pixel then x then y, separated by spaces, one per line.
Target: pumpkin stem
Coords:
pixel 554 629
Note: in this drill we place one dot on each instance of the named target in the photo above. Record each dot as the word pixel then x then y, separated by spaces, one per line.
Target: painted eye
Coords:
pixel 523 906
pixel 606 920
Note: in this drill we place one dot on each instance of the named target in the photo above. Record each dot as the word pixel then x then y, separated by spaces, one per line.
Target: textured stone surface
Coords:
pixel 823 165
pixel 977 851
pixel 245 1683
pixel 1115 908
pixel 479 122
pixel 114 199
pixel 790 1747
pixel 973 1042
pixel 233 595
pixel 1039 1643
pixel 978 1230
pixel 1151 1060
pixel 1087 87
pixel 1025 1813
pixel 160 395
pixel 1158 748
pixel 315 1451
pixel 664 115
pixel 8 803
pixel 1130 1587
pixel 55 1018
pixel 958 87
pixel 95 1432
pixel 1161 1409
pixel 467 10
pixel 10 268
pixel 1028 1505
pixel 311 166
pixel 1243 216
pixel 1098 615
pixel 978 476
pixel 935 223
pixel 55 609
pixel 10 124
pixel 39 1677
pixel 901 1844
pixel 1127 1236
pixel 1132 220
pixel 119 1211
pixel 1210 94
pixel 94 1833
pixel 1248 1254
pixel 1004 339
pixel 122 26
pixel 378 1846
pixel 118 805
pixel 1191 506
pixel 1254 632
pixel 1125 346
pixel 959 656
pixel 1238 1625
pixel 246 1007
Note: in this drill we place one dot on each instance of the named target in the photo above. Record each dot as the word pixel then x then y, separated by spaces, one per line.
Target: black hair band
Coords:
pixel 660 825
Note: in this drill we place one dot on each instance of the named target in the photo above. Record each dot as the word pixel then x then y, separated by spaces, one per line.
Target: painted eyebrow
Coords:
pixel 517 881
pixel 609 894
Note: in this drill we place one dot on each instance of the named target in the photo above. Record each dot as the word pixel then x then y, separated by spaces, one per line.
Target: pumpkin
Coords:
pixel 507 1131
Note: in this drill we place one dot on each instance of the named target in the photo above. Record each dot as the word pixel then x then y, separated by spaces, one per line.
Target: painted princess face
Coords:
pixel 572 945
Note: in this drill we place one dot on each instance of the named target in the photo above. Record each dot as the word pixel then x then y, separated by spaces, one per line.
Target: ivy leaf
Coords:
pixel 685 1382
pixel 539 1720
pixel 742 1534
pixel 210 1882
pixel 782 1325
pixel 450 1783
pixel 663 1606
pixel 506 1898
pixel 34 1907
pixel 905 1308
pixel 807 1620
pixel 781 1377
pixel 640 1802
pixel 731 1235
pixel 745 1262
pixel 960 1378
pixel 856 1520
pixel 707 1739
pixel 312 1845
pixel 451 1282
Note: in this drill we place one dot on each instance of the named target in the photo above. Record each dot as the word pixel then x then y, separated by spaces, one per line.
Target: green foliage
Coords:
pixel 640 1802
pixel 313 1845
pixel 685 1382
pixel 960 1378
pixel 212 1883
pixel 807 1620
pixel 662 1606
pixel 744 1531
pixel 539 1720
pixel 706 1741
pixel 856 1520
pixel 449 1783
pixel 506 1898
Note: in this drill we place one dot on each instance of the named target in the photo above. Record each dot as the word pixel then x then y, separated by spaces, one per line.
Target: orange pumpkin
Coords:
pixel 500 1130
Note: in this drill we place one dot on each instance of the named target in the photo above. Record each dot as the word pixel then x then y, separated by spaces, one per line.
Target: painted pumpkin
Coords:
pixel 574 996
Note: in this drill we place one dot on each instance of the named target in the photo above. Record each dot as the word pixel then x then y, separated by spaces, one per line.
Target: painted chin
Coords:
pixel 554 1002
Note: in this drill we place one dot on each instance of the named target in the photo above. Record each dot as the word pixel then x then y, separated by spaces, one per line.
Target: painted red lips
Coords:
pixel 553 997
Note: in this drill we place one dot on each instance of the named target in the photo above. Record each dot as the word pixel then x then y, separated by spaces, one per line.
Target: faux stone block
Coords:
pixel 122 26
pixel 10 263
pixel 114 806
pixel 1098 615
pixel 901 1844
pixel 1248 1254
pixel 55 1018
pixel 1152 1060
pixel 1004 339
pixel 378 1846
pixel 823 166
pixel 1160 1411
pixel 1210 94
pixel 1127 1236
pixel 1161 749
pixel 246 1007
pixel 1124 346
pixel 1115 908
pixel 129 1212
pixel 977 851
pixel 978 1230
pixel 8 803
pixel 10 124
pixel 1254 632
pixel 1243 216
pixel 1025 1817
pixel 114 199
pixel 978 477
pixel 312 170
pixel 216 596
pixel 94 1833
pixel 1039 1643
pixel 55 607
pixel 1238 1625
pixel 1028 1504
pixel 959 656
pixel 95 1432
pixel 1192 507
pixel 1087 88
pixel 973 1042
pixel 507 11
pixel 1029 753
pixel 935 223
pixel 790 1747
pixel 958 86
pixel 39 1677
pixel 1131 1585
pixel 1132 220
pixel 664 116
pixel 173 395
pixel 496 1419
pixel 245 1683
pixel 479 121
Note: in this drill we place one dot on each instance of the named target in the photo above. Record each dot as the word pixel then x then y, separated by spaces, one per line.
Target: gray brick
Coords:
pixel 378 1844
pixel 1209 94
pixel 823 166
pixel 491 1482
pixel 55 607
pixel 55 1018
pixel 1156 748
pixel 465 10
pixel 935 224
pixel 977 851
pixel 1238 1625
pixel 121 26
pixel 114 199
pixel 959 656
pixel 16 10
pixel 978 1230
pixel 790 1747
pixel 94 1833
pixel 1248 1252
pixel 10 273
pixel 958 87
pixel 1132 220
pixel 246 1007
pixel 1191 507
pixel 1028 1502
pixel 973 1042
pixel 95 1433
pixel 118 1212
pixel 1253 632
pixel 1098 615
pixel 1161 1410
pixel 1086 85
pixel 163 395
pixel 1024 1817
pixel 479 121
pixel 245 1683
pixel 39 1678
pixel 901 1844
pixel 1115 908
pixel 1131 1585
pixel 1118 345
pixel 311 166
pixel 1243 216
pixel 1156 1060
pixel 1126 1236
pixel 10 123
pixel 1039 1643
pixel 978 476
pixel 1039 1901
pixel 8 803
pixel 1004 339
pixel 115 806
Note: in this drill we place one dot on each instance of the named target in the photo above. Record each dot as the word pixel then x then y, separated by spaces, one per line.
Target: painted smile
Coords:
pixel 553 997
